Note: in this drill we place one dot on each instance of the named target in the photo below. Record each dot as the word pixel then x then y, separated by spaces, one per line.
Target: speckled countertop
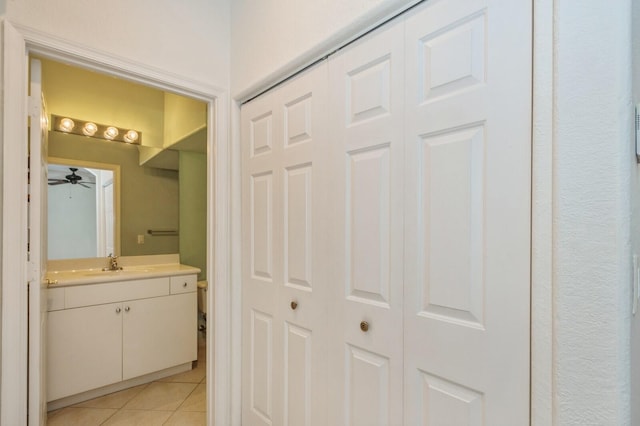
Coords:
pixel 62 273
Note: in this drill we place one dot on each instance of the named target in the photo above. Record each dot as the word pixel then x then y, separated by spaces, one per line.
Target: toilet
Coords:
pixel 202 305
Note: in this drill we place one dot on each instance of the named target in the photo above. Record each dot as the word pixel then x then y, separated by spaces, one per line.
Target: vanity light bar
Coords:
pixel 95 130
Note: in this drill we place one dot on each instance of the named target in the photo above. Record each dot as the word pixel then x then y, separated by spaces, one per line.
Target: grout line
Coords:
pixel 143 388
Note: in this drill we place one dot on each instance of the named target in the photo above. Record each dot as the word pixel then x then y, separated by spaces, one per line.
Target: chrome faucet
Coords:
pixel 113 264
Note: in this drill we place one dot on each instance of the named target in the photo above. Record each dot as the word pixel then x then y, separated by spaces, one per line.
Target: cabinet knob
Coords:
pixel 294 305
pixel 184 285
pixel 364 326
pixel 127 309
pixel 118 310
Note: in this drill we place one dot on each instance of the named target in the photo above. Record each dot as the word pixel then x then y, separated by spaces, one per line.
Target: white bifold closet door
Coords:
pixel 284 285
pixel 467 209
pixel 386 194
pixel 367 157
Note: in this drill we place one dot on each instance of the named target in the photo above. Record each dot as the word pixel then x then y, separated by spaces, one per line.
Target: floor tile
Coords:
pixel 79 416
pixel 138 418
pixel 197 401
pixel 113 400
pixel 161 396
pixel 187 418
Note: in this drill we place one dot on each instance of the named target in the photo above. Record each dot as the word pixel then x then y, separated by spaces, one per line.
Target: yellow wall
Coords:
pixel 182 116
pixel 77 93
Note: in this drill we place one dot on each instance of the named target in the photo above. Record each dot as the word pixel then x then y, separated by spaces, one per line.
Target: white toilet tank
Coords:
pixel 202 296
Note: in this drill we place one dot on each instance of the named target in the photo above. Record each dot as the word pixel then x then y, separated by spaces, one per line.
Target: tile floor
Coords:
pixel 175 400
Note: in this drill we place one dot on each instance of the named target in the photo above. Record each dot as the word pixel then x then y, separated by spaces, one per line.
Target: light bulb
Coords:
pixel 89 129
pixel 66 125
pixel 110 133
pixel 131 136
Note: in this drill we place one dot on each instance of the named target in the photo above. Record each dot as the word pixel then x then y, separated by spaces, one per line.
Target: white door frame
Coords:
pixel 18 42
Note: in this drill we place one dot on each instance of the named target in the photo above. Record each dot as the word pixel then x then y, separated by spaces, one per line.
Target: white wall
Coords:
pixel 268 37
pixel 190 39
pixel 591 213
pixel 635 220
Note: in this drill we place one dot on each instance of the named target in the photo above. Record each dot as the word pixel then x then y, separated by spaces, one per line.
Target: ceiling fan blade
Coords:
pixel 83 185
pixel 61 182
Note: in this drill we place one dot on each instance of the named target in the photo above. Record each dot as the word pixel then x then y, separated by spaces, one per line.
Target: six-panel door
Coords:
pixel 367 155
pixel 467 213
pixel 284 292
pixel 423 227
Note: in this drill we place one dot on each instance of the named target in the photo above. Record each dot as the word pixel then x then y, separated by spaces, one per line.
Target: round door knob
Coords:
pixel 184 285
pixel 118 310
pixel 127 309
pixel 364 326
pixel 294 305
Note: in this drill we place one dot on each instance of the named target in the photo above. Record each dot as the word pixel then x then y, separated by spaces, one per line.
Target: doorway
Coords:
pixel 162 186
pixel 18 45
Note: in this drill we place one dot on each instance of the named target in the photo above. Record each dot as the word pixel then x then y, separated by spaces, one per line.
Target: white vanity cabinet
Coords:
pixel 158 333
pixel 112 332
pixel 84 349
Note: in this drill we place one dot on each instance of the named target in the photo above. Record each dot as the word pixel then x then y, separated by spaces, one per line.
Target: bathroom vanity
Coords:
pixel 109 330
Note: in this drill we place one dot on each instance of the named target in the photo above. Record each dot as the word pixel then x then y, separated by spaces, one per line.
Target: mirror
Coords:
pixel 83 209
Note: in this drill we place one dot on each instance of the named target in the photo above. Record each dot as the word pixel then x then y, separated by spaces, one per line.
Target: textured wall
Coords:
pixel 591 213
pixel 190 39
pixel 635 221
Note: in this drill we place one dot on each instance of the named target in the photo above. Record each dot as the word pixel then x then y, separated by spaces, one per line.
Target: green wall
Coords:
pixel 193 210
pixel 149 197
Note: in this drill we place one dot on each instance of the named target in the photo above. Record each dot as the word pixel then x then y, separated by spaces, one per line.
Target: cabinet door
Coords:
pixel 84 349
pixel 158 333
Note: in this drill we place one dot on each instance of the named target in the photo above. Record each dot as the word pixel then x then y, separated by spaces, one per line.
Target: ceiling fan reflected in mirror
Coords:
pixel 72 178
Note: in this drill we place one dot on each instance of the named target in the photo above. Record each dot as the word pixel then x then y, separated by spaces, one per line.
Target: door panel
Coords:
pixel 298 228
pixel 302 298
pixel 367 388
pixel 366 231
pixel 451 173
pixel 284 284
pixel 261 369
pixel 467 213
pixel 298 377
pixel 261 226
pixel 260 275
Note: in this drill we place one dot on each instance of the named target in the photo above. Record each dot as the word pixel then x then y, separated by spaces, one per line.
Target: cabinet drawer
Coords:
pixel 183 284
pixel 96 294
